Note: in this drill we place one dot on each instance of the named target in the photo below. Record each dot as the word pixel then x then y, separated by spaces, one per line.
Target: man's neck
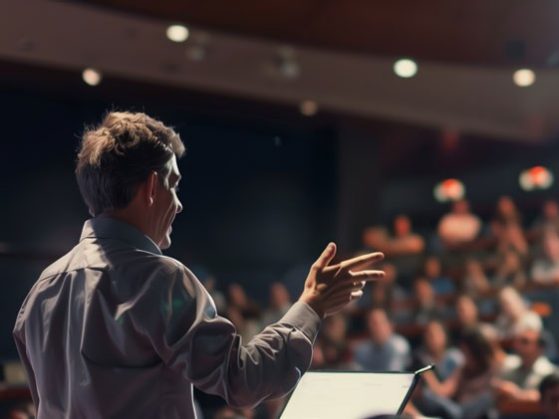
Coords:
pixel 125 217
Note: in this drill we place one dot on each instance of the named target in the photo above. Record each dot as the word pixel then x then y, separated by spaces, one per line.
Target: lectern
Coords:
pixel 350 395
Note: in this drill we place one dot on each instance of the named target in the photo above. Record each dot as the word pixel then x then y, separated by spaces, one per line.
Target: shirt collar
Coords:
pixel 110 228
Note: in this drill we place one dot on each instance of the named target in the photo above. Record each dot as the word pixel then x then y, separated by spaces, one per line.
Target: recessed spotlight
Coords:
pixel 308 107
pixel 91 76
pixel 177 33
pixel 405 68
pixel 524 77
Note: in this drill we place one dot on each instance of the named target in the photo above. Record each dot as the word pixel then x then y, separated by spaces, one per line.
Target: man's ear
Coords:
pixel 151 187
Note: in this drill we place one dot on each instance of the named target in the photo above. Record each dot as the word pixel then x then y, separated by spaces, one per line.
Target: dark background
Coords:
pixel 264 187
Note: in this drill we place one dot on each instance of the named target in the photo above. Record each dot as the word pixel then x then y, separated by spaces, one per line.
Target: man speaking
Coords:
pixel 115 329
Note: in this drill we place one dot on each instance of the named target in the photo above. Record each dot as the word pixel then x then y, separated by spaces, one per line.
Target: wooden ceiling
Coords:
pixel 478 32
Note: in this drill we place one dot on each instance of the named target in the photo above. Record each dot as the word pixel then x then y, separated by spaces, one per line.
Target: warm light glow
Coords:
pixel 537 177
pixel 177 33
pixel 449 190
pixel 308 107
pixel 524 77
pixel 91 76
pixel 405 68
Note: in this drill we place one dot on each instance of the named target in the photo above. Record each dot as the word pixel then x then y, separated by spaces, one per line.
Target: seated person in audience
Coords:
pixel 432 270
pixel 467 313
pixel 510 270
pixel 474 281
pixel 545 269
pixel 513 312
pixel 507 228
pixel 377 238
pixel 384 350
pixel 383 294
pixel 210 284
pixel 405 249
pixel 435 350
pixel 464 393
pixel 280 302
pixel 549 395
pixel 459 226
pixel 500 356
pixel 548 220
pixel 468 316
pixel 427 307
pixel 405 241
pixel 525 369
pixel 243 312
pixel 332 345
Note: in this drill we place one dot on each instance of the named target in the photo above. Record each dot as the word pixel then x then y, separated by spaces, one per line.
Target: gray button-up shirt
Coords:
pixel 114 329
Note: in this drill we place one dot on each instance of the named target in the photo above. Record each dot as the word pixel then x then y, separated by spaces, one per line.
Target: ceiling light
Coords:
pixel 524 77
pixel 405 68
pixel 177 33
pixel 91 76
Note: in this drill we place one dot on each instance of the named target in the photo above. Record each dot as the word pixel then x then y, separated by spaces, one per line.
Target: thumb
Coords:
pixel 326 257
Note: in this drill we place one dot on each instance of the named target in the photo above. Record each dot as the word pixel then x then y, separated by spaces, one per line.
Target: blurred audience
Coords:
pixel 526 367
pixel 549 395
pixel 280 302
pixel 427 308
pixel 545 269
pixel 514 311
pixel 464 393
pixel 404 248
pixel 243 312
pixel 475 282
pixel 549 218
pixel 467 313
pixel 459 226
pixel 210 284
pixel 434 350
pixel 486 342
pixel 383 294
pixel 405 241
pixel 510 270
pixel 331 349
pixel 432 271
pixel 507 227
pixel 384 350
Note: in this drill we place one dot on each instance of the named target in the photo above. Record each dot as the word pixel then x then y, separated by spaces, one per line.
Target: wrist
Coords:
pixel 312 303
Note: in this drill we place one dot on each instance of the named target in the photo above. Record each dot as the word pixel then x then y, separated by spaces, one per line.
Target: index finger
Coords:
pixel 359 261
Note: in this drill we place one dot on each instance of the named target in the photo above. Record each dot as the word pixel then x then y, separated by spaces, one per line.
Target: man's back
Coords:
pixel 115 329
pixel 86 303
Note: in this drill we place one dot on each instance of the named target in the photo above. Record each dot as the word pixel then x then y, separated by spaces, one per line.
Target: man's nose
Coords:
pixel 179 206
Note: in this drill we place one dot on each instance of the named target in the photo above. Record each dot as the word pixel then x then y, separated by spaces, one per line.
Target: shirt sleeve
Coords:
pixel 19 339
pixel 193 340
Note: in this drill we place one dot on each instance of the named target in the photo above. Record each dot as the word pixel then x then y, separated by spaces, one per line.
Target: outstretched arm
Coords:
pixel 208 351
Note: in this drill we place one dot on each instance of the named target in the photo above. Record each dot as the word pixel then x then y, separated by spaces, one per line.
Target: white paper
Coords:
pixel 324 395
